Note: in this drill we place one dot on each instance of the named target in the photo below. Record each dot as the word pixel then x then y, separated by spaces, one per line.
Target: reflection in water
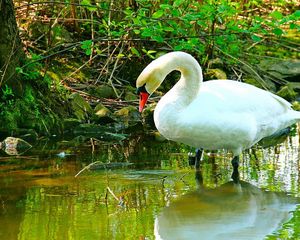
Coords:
pixel 232 211
pixel 41 199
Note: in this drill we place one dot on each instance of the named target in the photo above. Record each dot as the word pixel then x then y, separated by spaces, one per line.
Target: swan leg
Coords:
pixel 199 177
pixel 199 153
pixel 194 160
pixel 235 174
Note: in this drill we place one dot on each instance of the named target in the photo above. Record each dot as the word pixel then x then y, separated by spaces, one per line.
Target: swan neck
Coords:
pixel 188 86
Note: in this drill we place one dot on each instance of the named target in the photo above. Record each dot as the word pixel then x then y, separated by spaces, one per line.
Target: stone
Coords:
pixel 81 108
pixel 215 74
pixel 15 146
pixel 102 91
pixel 102 114
pixel 286 69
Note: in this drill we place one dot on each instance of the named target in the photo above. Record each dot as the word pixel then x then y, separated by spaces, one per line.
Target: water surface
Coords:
pixel 41 199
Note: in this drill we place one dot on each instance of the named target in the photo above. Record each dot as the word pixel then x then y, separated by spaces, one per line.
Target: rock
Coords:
pixel 15 146
pixel 129 115
pixel 130 93
pixel 102 91
pixel 80 107
pixel 129 96
pixel 102 114
pixel 286 69
pixel 216 74
pixel 296 105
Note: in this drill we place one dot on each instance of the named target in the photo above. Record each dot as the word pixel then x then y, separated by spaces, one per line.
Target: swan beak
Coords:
pixel 143 99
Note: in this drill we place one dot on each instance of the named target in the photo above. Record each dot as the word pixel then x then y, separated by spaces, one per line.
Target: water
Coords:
pixel 155 197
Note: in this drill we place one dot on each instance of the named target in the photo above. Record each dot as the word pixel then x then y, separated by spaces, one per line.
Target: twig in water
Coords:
pixel 112 193
pixel 86 167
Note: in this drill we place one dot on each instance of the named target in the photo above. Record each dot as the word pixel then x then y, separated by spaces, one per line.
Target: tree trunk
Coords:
pixel 11 52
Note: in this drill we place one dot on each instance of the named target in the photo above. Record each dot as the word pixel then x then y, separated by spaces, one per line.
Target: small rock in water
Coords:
pixel 62 154
pixel 15 146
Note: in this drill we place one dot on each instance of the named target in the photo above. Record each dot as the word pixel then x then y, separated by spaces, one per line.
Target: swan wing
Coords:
pixel 232 115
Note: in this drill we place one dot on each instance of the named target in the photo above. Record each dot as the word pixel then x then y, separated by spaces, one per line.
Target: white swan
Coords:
pixel 217 114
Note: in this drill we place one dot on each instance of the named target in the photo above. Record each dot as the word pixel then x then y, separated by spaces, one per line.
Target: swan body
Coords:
pixel 216 114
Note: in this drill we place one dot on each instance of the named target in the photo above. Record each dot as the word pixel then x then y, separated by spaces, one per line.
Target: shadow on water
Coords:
pixel 152 192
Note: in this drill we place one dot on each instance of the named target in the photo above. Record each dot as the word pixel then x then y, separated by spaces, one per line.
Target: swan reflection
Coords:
pixel 232 211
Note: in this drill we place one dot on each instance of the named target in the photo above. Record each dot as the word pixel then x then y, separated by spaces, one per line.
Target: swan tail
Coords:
pixel 296 115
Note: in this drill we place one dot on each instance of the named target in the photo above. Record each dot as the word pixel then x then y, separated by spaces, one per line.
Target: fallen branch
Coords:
pixel 86 167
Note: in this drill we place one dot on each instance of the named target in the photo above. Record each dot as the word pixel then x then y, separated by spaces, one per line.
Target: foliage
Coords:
pixel 206 28
pixel 113 40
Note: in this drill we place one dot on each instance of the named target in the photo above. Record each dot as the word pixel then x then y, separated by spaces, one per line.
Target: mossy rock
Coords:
pixel 128 115
pixel 129 96
pixel 296 105
pixel 102 91
pixel 287 69
pixel 81 108
pixel 130 93
pixel 102 114
pixel 287 93
pixel 215 74
pixel 128 112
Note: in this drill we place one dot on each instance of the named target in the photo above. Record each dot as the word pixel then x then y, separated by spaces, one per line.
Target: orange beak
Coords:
pixel 143 99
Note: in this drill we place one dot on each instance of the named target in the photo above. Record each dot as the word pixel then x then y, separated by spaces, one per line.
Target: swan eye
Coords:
pixel 141 89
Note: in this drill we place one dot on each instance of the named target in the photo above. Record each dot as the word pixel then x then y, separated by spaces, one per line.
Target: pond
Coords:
pixel 148 191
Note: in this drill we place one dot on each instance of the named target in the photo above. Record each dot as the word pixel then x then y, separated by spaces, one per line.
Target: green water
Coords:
pixel 154 197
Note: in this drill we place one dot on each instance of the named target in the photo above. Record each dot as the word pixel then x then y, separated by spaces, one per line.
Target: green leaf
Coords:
pixel 135 51
pixel 255 38
pixel 136 31
pixel 158 14
pixel 276 15
pixel 87 4
pixel 164 6
pixel 175 12
pixel 147 32
pixel 297 14
pixel 158 38
pixel 120 55
pixel 293 26
pixel 168 29
pixel 177 3
pixel 87 46
pixel 277 31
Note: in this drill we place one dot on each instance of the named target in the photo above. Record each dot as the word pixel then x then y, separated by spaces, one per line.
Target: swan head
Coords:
pixel 148 81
